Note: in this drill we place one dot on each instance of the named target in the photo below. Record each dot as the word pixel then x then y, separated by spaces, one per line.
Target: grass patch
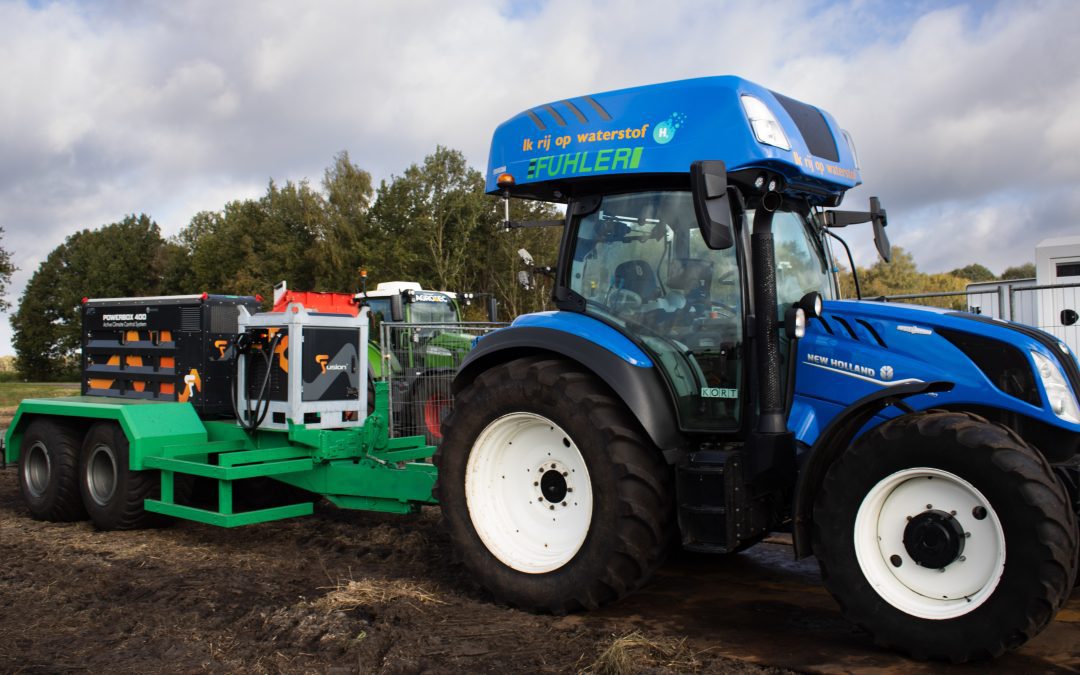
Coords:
pixel 352 594
pixel 634 653
pixel 12 393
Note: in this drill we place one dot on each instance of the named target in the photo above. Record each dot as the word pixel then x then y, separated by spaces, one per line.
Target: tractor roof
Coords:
pixel 571 146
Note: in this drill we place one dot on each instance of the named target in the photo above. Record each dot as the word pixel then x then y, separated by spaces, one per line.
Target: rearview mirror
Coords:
pixel 875 215
pixel 712 206
pixel 881 240
pixel 397 308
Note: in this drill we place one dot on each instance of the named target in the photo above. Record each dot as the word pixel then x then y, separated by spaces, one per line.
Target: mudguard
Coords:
pixel 620 364
pixel 836 437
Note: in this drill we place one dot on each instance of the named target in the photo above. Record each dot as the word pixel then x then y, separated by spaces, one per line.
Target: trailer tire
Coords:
pixel 583 461
pixel 913 525
pixel 49 471
pixel 112 493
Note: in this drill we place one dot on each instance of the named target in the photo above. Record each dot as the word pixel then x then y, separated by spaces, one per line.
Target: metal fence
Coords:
pixel 419 361
pixel 1051 307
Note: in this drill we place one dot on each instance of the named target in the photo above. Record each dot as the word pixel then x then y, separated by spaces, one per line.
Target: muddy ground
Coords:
pixel 346 591
pixel 356 591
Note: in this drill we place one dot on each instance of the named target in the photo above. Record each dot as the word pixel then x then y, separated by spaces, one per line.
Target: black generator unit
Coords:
pixel 169 348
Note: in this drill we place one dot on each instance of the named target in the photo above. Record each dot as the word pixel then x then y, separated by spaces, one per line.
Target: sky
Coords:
pixel 966 115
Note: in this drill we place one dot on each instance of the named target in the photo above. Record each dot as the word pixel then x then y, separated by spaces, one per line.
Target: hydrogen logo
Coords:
pixel 886 373
pixel 664 132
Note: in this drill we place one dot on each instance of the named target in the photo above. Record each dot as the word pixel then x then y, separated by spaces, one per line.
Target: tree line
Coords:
pixel 432 224
pixel 902 276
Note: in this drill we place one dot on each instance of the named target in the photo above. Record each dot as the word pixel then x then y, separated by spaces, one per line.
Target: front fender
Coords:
pixel 836 437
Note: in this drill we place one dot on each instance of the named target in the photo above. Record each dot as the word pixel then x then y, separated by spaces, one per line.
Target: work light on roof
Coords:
pixel 766 128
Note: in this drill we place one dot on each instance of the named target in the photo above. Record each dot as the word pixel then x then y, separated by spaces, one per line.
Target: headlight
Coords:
pixel 435 350
pixel 1062 400
pixel 851 146
pixel 765 125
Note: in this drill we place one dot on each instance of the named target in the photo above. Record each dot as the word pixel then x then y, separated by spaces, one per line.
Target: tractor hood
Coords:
pixel 859 347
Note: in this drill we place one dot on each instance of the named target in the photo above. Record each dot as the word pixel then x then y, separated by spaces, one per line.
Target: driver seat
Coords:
pixel 637 276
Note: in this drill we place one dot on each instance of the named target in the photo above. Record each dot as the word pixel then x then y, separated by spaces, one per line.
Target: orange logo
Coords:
pixel 192 383
pixel 322 360
pixel 221 345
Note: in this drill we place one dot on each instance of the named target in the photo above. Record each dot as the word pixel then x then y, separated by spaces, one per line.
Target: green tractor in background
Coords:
pixel 418 338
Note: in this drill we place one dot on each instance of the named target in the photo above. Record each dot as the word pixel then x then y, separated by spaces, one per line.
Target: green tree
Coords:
pixel 973 272
pixel 123 259
pixel 1025 271
pixel 252 244
pixel 901 277
pixel 7 268
pixel 431 216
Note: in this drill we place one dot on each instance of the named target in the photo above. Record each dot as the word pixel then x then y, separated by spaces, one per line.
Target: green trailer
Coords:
pixel 302 429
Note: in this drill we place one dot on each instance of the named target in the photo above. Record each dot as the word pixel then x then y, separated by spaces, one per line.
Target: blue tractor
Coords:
pixel 702 384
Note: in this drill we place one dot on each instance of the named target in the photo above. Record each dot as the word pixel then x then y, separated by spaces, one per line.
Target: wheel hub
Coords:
pixel 553 486
pixel 37 468
pixel 101 475
pixel 934 539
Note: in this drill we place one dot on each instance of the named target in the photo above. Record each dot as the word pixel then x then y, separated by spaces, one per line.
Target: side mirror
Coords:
pixel 525 256
pixel 525 280
pixel 397 308
pixel 712 206
pixel 881 240
pixel 875 215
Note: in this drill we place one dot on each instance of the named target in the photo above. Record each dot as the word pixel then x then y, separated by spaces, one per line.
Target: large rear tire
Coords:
pixel 946 536
pixel 49 470
pixel 553 496
pixel 112 493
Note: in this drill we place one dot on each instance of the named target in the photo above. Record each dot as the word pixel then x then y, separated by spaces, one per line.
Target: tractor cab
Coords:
pixel 635 255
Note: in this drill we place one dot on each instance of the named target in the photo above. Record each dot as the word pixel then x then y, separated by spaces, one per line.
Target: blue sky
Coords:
pixel 966 114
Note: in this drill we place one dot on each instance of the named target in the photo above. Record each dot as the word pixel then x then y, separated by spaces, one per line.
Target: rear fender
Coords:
pixel 639 387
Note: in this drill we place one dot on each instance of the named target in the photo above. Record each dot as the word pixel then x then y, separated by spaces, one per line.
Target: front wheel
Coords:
pixel 946 536
pixel 553 496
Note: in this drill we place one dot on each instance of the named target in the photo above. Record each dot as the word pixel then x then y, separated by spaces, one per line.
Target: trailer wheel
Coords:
pixel 946 536
pixel 48 471
pixel 112 493
pixel 553 496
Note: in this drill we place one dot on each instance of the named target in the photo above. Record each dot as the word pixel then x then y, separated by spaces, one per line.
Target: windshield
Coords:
pixel 428 307
pixel 640 262
pixel 802 263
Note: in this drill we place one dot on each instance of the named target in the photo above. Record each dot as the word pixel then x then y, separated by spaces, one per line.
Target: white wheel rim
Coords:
pixel 528 493
pixel 946 592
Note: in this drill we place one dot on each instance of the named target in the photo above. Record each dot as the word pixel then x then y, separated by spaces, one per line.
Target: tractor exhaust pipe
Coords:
pixel 771 418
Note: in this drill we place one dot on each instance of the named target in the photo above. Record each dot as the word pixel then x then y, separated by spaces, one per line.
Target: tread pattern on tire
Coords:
pixel 643 484
pixel 1031 477
pixel 126 512
pixel 64 443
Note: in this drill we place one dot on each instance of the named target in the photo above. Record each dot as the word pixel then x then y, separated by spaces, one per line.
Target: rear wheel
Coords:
pixel 49 470
pixel 112 493
pixel 553 495
pixel 946 536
